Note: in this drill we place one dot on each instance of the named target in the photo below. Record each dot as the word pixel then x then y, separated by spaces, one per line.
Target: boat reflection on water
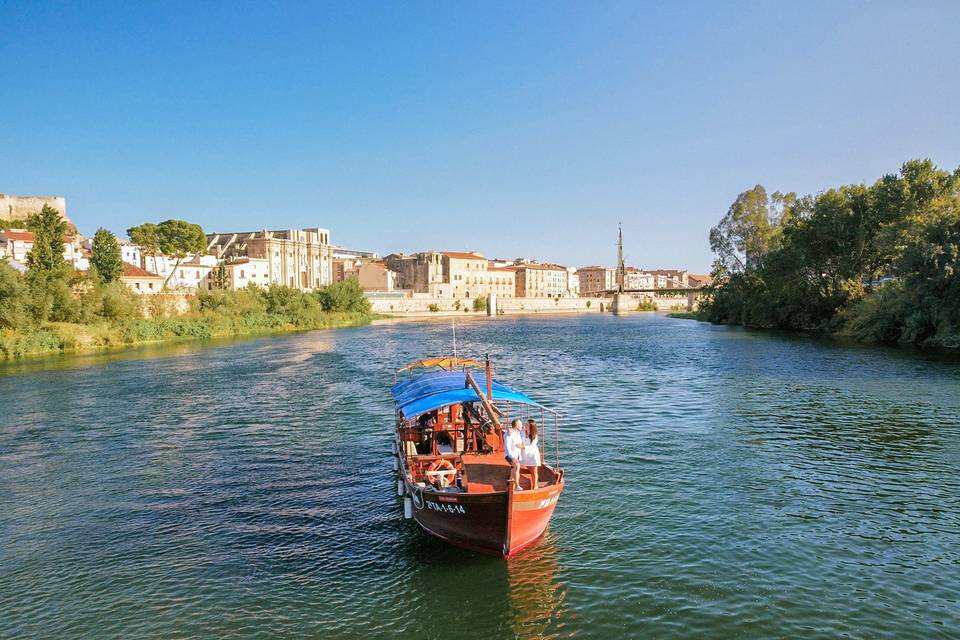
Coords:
pixel 537 597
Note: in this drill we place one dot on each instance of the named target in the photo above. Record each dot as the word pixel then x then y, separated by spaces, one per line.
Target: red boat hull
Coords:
pixel 500 523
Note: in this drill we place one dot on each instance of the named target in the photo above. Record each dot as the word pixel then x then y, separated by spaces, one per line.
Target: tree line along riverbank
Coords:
pixel 878 263
pixel 110 319
pixel 51 307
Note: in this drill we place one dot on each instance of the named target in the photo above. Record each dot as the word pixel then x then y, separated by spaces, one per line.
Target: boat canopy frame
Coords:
pixel 430 391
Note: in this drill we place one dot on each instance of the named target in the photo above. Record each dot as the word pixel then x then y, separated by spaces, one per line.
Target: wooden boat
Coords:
pixel 453 471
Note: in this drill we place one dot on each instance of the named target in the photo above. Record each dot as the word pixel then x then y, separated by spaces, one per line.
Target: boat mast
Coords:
pixel 454 321
pixel 489 381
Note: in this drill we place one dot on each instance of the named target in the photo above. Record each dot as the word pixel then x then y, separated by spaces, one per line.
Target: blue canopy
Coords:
pixel 429 391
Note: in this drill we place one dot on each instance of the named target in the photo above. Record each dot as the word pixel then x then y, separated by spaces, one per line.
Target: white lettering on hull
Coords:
pixel 445 508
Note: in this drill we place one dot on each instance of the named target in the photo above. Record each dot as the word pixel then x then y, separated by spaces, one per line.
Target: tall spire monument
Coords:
pixel 621 270
pixel 622 302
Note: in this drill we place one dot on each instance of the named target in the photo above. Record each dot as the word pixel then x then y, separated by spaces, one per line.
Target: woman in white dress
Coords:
pixel 530 458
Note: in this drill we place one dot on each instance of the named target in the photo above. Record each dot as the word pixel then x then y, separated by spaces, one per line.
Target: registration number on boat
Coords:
pixel 446 508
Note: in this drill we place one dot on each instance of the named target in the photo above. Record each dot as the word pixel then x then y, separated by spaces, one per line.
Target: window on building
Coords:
pixel 242 274
pixel 136 284
pixel 150 285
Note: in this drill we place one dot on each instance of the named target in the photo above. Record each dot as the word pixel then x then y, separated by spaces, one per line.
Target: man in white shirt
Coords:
pixel 513 449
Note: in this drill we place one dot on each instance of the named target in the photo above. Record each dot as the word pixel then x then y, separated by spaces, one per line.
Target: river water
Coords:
pixel 721 484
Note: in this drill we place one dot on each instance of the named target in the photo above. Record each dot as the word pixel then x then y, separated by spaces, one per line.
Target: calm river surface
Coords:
pixel 721 484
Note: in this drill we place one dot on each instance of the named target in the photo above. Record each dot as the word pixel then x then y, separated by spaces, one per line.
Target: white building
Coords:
pixel 130 253
pixel 17 243
pixel 239 273
pixel 190 273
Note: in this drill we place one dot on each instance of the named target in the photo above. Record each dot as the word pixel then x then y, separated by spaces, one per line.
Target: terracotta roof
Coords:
pixel 462 255
pixel 10 234
pixel 510 269
pixel 130 271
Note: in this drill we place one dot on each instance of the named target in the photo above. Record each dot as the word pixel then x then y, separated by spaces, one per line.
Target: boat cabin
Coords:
pixel 450 432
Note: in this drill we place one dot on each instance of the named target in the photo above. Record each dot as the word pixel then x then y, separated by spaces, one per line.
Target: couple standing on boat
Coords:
pixel 522 450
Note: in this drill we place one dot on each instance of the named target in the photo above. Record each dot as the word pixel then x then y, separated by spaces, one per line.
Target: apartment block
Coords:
pixel 542 281
pixel 595 279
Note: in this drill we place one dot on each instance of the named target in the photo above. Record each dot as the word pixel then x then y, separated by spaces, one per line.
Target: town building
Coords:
pixel 466 274
pixel 300 258
pixel 634 279
pixel 130 253
pixel 420 272
pixel 697 281
pixel 238 273
pixel 17 243
pixel 503 281
pixel 541 281
pixel 595 280
pixel 669 278
pixel 141 281
pixel 344 268
pixel 452 275
pixel 375 276
pixel 185 274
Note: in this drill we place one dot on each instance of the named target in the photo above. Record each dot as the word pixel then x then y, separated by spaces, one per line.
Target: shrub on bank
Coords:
pixel 84 313
pixel 37 341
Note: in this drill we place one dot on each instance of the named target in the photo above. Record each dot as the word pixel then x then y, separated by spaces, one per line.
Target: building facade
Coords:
pixel 420 272
pixel 238 273
pixel 634 279
pixel 595 280
pixel 503 281
pixel 541 281
pixel 300 258
pixel 141 281
pixel 669 278
pixel 375 276
pixel 17 243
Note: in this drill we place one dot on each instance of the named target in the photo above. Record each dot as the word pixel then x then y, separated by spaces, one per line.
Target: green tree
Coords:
pixel 13 298
pixel 480 303
pixel 750 229
pixel 105 256
pixel 146 237
pixel 50 295
pixel 344 296
pixel 178 239
pixel 48 229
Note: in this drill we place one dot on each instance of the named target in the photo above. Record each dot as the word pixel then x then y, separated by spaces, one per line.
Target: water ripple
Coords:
pixel 722 483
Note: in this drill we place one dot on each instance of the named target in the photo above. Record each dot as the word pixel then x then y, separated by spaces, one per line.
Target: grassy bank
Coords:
pixel 110 316
pixel 65 337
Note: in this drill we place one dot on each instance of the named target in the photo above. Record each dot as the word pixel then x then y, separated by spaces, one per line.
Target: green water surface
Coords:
pixel 721 484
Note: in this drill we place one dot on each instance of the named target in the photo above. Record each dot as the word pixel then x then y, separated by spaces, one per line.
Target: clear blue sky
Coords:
pixel 513 129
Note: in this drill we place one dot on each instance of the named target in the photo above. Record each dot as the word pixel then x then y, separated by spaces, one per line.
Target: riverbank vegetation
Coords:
pixel 879 263
pixel 52 308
